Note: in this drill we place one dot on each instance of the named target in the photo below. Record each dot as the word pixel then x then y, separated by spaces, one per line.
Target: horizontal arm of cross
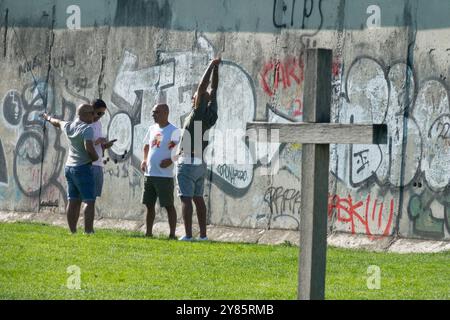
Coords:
pixel 325 133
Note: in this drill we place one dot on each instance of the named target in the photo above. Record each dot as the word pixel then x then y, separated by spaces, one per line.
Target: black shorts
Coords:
pixel 158 187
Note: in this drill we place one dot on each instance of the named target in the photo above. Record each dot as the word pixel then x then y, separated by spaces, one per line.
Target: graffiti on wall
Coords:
pixel 413 163
pixel 283 203
pixel 371 216
pixel 418 151
pixel 282 81
pixel 3 168
pixel 174 80
pixel 39 156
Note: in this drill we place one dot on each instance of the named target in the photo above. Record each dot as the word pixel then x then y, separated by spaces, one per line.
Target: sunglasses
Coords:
pixel 100 114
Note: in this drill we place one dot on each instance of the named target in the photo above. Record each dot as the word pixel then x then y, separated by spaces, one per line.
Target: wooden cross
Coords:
pixel 316 134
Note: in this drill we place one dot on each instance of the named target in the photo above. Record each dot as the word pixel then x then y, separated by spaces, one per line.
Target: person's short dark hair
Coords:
pixel 99 103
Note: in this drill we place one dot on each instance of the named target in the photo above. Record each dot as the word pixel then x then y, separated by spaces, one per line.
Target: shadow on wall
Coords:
pixel 267 16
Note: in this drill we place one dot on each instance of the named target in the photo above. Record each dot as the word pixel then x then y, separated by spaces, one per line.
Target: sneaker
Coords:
pixel 184 238
pixel 203 239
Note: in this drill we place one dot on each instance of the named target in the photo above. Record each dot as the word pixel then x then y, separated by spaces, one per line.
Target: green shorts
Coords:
pixel 158 187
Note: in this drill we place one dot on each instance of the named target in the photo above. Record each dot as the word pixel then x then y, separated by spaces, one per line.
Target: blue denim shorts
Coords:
pixel 80 183
pixel 191 180
pixel 97 171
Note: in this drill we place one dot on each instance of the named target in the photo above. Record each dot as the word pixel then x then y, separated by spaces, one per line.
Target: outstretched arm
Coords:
pixel 55 122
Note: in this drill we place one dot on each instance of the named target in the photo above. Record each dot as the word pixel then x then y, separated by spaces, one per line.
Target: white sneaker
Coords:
pixel 203 239
pixel 184 238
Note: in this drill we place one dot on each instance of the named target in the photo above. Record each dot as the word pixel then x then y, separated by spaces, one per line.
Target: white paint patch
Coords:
pixel 431 113
pixel 121 129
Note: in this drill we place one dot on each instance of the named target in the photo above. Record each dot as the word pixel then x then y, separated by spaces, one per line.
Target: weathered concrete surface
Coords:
pixel 418 246
pixel 132 53
pixel 352 241
pixel 244 235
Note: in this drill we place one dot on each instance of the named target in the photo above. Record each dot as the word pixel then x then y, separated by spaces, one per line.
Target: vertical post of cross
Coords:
pixel 314 180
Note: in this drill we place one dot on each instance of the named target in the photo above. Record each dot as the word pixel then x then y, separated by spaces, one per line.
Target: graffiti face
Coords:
pixel 12 108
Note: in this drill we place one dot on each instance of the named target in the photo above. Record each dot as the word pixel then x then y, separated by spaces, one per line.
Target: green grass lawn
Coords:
pixel 124 265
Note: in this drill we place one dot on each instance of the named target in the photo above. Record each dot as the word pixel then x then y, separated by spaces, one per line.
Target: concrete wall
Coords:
pixel 131 52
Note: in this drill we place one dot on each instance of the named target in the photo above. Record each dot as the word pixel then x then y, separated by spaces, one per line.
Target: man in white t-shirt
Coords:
pixel 159 153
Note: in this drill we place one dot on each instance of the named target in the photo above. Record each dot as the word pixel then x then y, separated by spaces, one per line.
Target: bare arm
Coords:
pixel 55 122
pixel 203 85
pixel 215 78
pixel 89 146
pixel 146 150
pixel 109 144
pixel 144 162
pixel 205 80
pixel 215 82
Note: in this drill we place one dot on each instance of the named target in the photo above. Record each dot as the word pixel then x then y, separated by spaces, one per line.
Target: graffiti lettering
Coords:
pixel 285 15
pixel 440 128
pixel 231 174
pixel 82 83
pixel 29 66
pixel 288 72
pixel 281 200
pixel 282 81
pixel 63 61
pixel 370 215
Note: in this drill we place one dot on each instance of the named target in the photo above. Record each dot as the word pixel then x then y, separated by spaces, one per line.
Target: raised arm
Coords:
pixel 201 89
pixel 215 81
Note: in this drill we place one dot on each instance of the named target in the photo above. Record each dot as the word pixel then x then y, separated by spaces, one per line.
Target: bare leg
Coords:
pixel 89 214
pixel 150 219
pixel 201 215
pixel 73 213
pixel 186 209
pixel 172 217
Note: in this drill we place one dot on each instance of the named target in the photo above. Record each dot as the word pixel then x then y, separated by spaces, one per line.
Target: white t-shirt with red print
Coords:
pixel 162 143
